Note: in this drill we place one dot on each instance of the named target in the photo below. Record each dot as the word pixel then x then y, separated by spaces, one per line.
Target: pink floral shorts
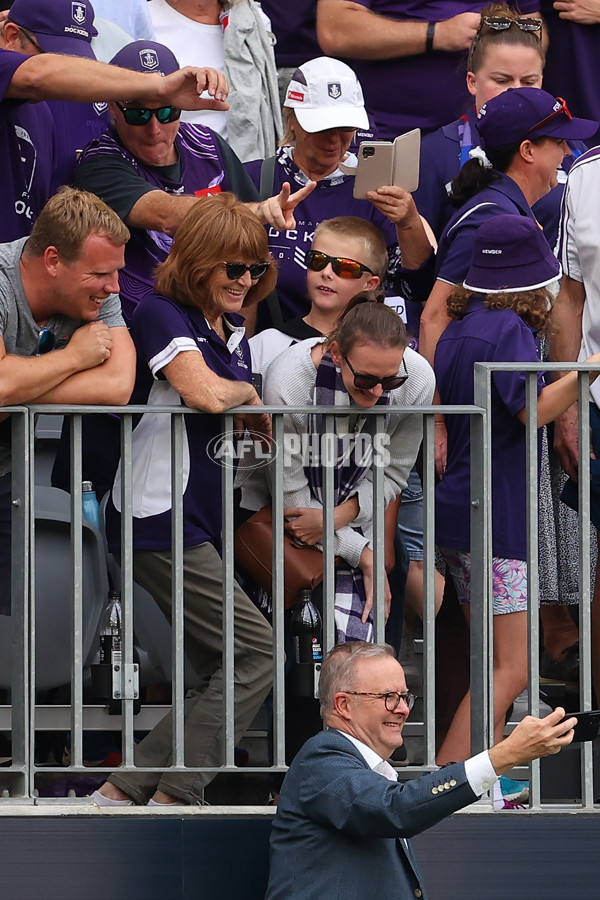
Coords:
pixel 509 578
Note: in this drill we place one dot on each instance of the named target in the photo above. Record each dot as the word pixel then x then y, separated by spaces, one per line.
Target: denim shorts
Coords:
pixel 410 517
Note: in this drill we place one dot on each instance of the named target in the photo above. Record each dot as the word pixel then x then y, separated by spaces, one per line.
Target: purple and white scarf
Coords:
pixel 354 455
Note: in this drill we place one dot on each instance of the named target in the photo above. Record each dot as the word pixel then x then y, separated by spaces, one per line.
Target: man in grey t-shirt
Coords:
pixel 62 336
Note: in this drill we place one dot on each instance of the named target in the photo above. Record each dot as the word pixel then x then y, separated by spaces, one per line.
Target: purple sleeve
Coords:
pixel 9 63
pixel 157 325
pixel 516 344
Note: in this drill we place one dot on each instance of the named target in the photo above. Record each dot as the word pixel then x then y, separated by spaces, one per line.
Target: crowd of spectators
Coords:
pixel 163 207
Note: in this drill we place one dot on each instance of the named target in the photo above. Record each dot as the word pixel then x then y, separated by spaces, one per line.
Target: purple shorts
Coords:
pixel 509 579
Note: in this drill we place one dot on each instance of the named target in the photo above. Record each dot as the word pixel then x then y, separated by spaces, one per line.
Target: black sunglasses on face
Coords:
pixel 46 341
pixel 236 270
pixel 364 382
pixel 141 116
pixel 345 268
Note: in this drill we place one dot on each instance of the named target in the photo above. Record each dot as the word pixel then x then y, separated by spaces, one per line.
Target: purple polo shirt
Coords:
pixel 295 27
pixel 423 91
pixel 161 329
pixel 572 67
pixel 76 125
pixel 444 151
pixel 331 197
pixel 205 166
pixel 456 244
pixel 27 155
pixel 485 336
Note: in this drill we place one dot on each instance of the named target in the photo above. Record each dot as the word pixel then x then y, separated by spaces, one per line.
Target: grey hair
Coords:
pixel 339 670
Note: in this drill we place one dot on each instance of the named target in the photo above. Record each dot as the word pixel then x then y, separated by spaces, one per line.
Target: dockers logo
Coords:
pixel 78 12
pixel 149 58
pixel 100 107
pixel 334 89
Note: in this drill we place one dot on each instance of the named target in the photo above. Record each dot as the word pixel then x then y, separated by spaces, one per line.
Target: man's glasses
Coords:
pixel 236 270
pixel 141 116
pixel 365 382
pixel 391 698
pixel 29 37
pixel 46 341
pixel 345 268
pixel 503 23
pixel 561 110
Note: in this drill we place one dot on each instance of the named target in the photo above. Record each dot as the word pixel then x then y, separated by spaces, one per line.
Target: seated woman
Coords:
pixel 496 315
pixel 319 129
pixel 192 351
pixel 363 363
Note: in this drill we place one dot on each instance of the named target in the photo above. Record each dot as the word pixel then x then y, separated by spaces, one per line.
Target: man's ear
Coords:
pixel 13 38
pixel 341 705
pixel 52 260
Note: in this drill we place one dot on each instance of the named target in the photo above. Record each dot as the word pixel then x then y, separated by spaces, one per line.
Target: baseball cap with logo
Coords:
pixel 146 56
pixel 527 113
pixel 59 26
pixel 325 93
pixel 510 253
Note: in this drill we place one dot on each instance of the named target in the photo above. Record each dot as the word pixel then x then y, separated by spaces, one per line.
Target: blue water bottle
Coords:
pixel 90 505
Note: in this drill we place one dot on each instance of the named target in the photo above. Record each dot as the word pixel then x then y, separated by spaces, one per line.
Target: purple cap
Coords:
pixel 520 113
pixel 146 56
pixel 510 253
pixel 59 26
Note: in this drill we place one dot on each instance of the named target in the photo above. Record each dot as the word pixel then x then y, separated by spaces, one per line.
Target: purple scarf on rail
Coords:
pixel 353 454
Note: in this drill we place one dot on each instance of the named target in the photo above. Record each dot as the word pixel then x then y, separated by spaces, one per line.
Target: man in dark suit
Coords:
pixel 343 818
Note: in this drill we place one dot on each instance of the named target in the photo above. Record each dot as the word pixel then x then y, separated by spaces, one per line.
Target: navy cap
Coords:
pixel 146 56
pixel 520 113
pixel 59 26
pixel 510 253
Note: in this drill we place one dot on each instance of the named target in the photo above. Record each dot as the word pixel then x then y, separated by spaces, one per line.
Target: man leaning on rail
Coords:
pixel 343 819
pixel 62 336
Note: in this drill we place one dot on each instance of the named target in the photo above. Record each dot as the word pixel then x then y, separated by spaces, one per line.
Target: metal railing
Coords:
pixel 25 714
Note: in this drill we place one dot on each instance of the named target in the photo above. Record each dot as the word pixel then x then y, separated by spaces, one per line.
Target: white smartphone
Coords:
pixel 388 162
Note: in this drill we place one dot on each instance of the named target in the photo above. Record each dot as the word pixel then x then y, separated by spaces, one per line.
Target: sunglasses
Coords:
pixel 561 110
pixel 46 341
pixel 141 116
pixel 503 23
pixel 29 37
pixel 364 382
pixel 345 268
pixel 236 270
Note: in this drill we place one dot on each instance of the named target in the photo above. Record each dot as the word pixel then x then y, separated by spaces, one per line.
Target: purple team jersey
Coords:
pixel 76 125
pixel 424 91
pixel 27 155
pixel 294 26
pixel 161 329
pixel 485 336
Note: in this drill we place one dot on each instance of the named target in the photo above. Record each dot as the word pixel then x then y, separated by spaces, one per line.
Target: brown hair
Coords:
pixel 513 36
pixel 339 670
pixel 367 319
pixel 215 230
pixel 361 230
pixel 533 307
pixel 68 218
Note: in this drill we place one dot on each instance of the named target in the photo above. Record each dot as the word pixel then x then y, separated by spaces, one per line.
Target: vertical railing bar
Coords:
pixel 177 591
pixel 378 470
pixel 429 584
pixel 22 577
pixel 585 638
pixel 480 550
pixel 228 606
pixel 77 612
pixel 532 520
pixel 127 745
pixel 277 601
pixel 328 545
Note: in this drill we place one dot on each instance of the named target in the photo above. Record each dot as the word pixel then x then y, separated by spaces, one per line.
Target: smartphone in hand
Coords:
pixel 388 162
pixel 587 726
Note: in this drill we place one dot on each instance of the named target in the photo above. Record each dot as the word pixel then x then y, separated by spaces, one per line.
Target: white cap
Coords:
pixel 325 93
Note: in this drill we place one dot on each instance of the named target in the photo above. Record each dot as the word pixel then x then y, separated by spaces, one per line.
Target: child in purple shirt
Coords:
pixel 503 302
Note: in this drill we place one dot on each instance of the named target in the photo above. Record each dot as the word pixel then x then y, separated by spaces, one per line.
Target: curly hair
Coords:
pixel 534 307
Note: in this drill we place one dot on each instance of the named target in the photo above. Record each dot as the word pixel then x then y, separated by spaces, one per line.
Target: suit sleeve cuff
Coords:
pixel 480 773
